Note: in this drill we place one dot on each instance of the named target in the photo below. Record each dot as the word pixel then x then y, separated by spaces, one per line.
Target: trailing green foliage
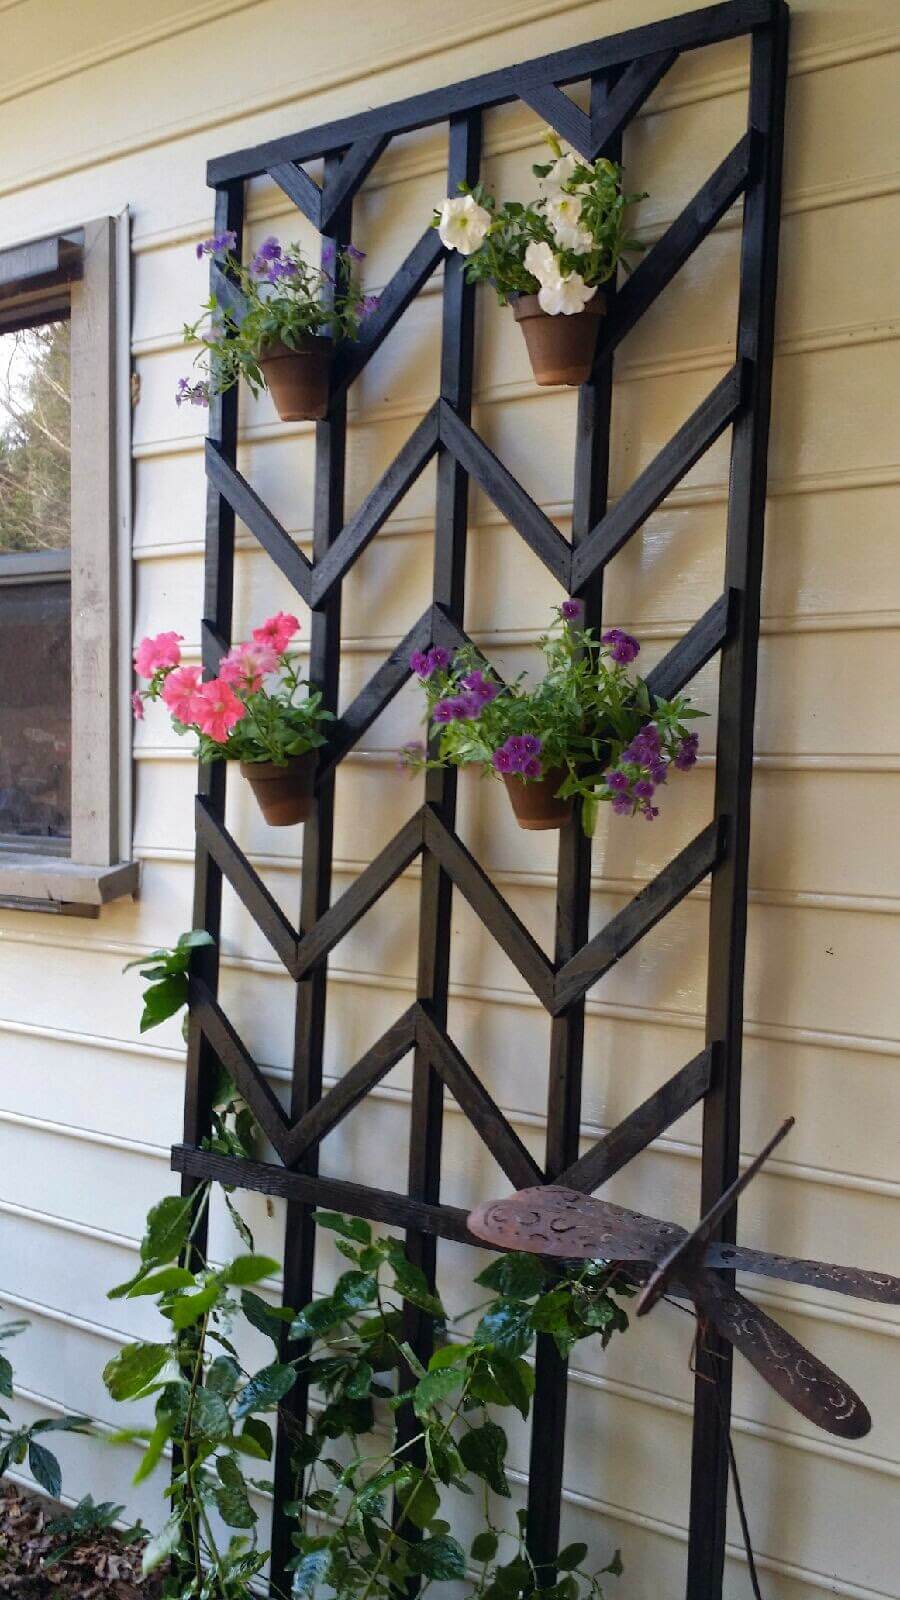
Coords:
pixel 166 972
pixel 19 1444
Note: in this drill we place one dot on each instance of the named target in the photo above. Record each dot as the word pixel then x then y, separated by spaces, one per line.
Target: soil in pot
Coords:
pixel 535 803
pixel 561 348
pixel 298 380
pixel 284 794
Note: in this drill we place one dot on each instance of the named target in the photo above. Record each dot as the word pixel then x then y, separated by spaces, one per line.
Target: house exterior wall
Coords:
pixel 104 107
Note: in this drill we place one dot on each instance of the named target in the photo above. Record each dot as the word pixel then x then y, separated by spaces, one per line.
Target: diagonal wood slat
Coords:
pixel 239 1064
pixel 511 500
pixel 351 1088
pixel 227 294
pixel 676 458
pixel 636 85
pixel 296 183
pixel 399 293
pixel 499 918
pixel 642 1126
pixel 256 516
pixel 685 659
pixel 479 1106
pixel 351 174
pixel 668 255
pixel 555 107
pixel 377 693
pixel 378 876
pixel 247 884
pixel 641 914
pixel 376 508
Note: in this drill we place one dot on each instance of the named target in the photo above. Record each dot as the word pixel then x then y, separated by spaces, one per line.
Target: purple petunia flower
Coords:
pixel 420 665
pixel 623 647
pixel 438 657
pixel 502 761
pixel 649 812
pixel 443 711
pixel 686 754
pixel 279 270
pixel 355 254
pixel 644 789
pixel 329 252
pixel 644 747
pixel 622 805
pixel 531 768
pixel 570 609
pixel 659 772
pixel 617 780
pixel 218 245
pixel 515 744
pixel 193 394
pixel 369 304
pixel 531 745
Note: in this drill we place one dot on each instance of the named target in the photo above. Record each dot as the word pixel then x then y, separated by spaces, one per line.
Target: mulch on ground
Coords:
pixel 98 1564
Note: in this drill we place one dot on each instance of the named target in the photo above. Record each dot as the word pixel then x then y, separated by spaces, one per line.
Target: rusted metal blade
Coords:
pixel 793 1371
pixel 553 1221
pixel 856 1281
pixel 689 1248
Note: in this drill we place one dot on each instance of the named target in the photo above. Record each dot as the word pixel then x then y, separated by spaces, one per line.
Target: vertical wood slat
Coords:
pixel 315 898
pixel 573 897
pixel 451 524
pixel 218 599
pixel 734 758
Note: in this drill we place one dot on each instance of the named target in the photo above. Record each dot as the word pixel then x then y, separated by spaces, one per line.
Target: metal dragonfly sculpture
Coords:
pixel 665 1259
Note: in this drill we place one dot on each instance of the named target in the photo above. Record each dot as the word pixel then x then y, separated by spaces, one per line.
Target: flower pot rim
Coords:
pixel 277 350
pixel 528 305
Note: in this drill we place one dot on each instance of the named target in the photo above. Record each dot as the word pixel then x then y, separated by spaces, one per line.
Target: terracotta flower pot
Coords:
pixel 535 803
pixel 561 348
pixel 298 379
pixel 284 794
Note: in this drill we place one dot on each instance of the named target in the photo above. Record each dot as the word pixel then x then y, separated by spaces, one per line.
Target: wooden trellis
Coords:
pixel 623 70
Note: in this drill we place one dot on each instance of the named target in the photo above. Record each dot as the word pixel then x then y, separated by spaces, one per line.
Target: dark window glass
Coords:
pixel 35 609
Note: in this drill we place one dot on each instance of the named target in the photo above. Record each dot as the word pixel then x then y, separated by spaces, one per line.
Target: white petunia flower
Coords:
pixel 541 262
pixel 560 173
pixel 463 224
pixel 564 216
pixel 565 296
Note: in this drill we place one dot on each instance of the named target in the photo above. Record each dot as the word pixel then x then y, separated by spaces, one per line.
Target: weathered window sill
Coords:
pixel 30 882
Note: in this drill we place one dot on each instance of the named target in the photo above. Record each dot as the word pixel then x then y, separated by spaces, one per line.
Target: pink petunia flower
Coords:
pixel 217 710
pixel 137 705
pixel 246 665
pixel 277 631
pixel 151 654
pixel 181 694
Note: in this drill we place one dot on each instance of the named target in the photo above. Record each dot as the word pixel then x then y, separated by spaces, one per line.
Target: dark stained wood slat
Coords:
pixel 356 1199
pixel 376 508
pixel 227 294
pixel 668 255
pixel 689 31
pixel 500 920
pixel 247 884
pixel 299 187
pixel 399 293
pixel 351 175
pixel 641 1126
pixel 378 693
pixel 212 647
pixel 258 518
pixel 351 1088
pixel 511 500
pixel 699 645
pixel 479 1106
pixel 641 914
pixel 636 85
pixel 239 1064
pixel 692 440
pixel 378 876
pixel 556 108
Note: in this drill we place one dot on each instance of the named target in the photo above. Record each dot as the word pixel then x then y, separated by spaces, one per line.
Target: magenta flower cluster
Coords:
pixel 192 394
pixel 219 245
pixel 623 647
pixel 633 790
pixel 521 753
pixel 425 662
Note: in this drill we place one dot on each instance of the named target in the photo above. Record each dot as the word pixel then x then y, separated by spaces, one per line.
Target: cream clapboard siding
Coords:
pixel 103 106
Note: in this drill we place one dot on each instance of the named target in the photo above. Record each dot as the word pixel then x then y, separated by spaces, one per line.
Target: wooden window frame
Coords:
pixel 84 273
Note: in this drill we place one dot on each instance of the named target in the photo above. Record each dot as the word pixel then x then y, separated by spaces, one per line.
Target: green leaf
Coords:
pixel 571 1557
pixel 6 1378
pixel 440 1557
pixel 349 1227
pixel 483 1451
pixel 161 1282
pixel 255 1439
pixel 163 1545
pixel 506 1328
pixel 187 1309
pixel 514 1378
pixel 615 1567
pixel 231 1495
pixel 45 1469
pixel 223 1376
pixel 155 1447
pixel 359 1382
pixel 318 1318
pixel 516 1276
pixel 265 1389
pixel 435 1387
pixel 484 1546
pixel 162 1000
pixel 420 1500
pixel 266 1319
pixel 310 1572
pixel 240 1225
pixel 167 1229
pixel 355 1290
pixel 249 1269
pixel 194 939
pixel 133 1370
pixel 209 1416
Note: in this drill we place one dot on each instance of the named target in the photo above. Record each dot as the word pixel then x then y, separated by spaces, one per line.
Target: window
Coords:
pixel 62 684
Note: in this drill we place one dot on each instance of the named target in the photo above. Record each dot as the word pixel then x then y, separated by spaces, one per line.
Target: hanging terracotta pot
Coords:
pixel 535 803
pixel 298 380
pixel 284 794
pixel 561 348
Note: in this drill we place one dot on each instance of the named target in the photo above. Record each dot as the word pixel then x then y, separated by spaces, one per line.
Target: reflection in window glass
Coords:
pixel 35 428
pixel 35 711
